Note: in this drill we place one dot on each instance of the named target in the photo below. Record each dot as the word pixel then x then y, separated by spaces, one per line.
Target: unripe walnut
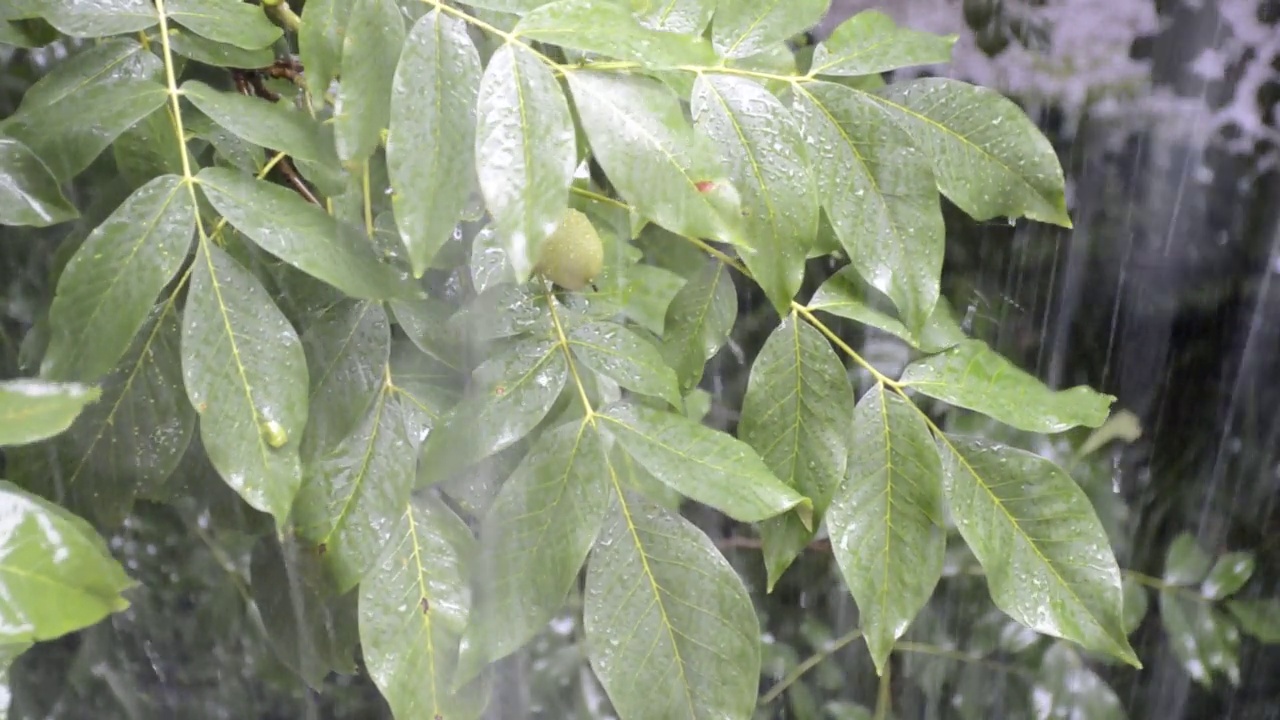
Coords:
pixel 573 256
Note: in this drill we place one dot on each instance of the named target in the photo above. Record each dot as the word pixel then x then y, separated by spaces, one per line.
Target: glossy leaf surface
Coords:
pixel 870 42
pixel 371 47
pixel 29 193
pixel 609 28
pixel 228 21
pixel 324 22
pixel 688 17
pixel 747 27
pixel 32 410
pixel 99 19
pixel 698 322
pixel 625 357
pixel 267 125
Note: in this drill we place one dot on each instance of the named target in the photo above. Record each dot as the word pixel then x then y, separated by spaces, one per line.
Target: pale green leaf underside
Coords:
pixel 32 410
pixel 747 27
pixel 870 42
pixel 609 28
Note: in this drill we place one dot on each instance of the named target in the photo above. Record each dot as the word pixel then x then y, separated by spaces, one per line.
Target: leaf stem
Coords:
pixel 844 346
pixel 175 109
pixel 808 664
pixel 563 340
pixel 884 696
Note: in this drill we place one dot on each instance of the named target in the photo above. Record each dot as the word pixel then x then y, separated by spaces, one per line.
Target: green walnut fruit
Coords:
pixel 573 256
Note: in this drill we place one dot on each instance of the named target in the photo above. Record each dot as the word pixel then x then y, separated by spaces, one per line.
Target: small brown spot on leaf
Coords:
pixel 322 549
pixel 425 607
pixel 704 186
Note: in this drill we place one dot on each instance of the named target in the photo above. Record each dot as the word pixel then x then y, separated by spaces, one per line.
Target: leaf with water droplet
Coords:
pixel 211 52
pixel 711 467
pixel 763 153
pixel 432 134
pixel 244 366
pixel 103 63
pixel 58 575
pixel 269 125
pixel 1258 617
pixel 525 152
pixel 1185 562
pixel 347 349
pixel 29 193
pixel 1066 687
pixel 698 322
pixel 533 541
pixel 796 415
pixel 370 50
pixel 1229 573
pixel 687 17
pixel 425 387
pixel 746 27
pixel 414 603
pixel 239 24
pixel 988 157
pixel 971 375
pixel 870 43
pixel 303 235
pixel 879 194
pixel 885 521
pixel 670 629
pixel 99 18
pixel 32 410
pixel 1047 559
pixel 324 23
pixel 1202 637
pixel 107 289
pixel 626 358
pixel 609 28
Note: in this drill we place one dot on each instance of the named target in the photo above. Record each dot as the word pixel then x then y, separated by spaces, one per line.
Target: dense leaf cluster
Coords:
pixel 331 227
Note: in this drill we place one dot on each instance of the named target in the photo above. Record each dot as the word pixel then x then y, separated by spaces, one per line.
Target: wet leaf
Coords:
pixel 763 152
pixel 108 287
pixel 1259 618
pixel 244 368
pixel 879 194
pixel 625 357
pixel 1202 637
pixel 524 151
pixel 324 23
pixel 489 265
pixel 426 321
pixel 703 464
pixel 510 394
pixel 515 7
pixel 303 620
pixel 885 521
pixel 370 50
pixel 988 156
pixel 973 376
pixel 534 540
pixel 56 574
pixel 746 27
pixel 688 17
pixel 104 63
pixel 212 52
pixel 1185 563
pixel 432 135
pixel 796 415
pixel 29 193
pixel 698 322
pixel 504 311
pixel 425 388
pixel 227 21
pixel 413 606
pixel 1046 556
pixel 71 133
pixel 609 28
pixel 870 42
pixel 267 125
pixel 1229 574
pixel 32 410
pixel 671 631
pixel 347 351
pixel 100 18
pixel 1135 604
pixel 302 234
pixel 1067 688
pixel 844 295
pixel 640 136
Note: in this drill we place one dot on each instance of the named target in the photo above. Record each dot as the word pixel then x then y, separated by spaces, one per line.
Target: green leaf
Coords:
pixel 1066 687
pixel 608 27
pixel 1202 637
pixel 625 357
pixel 489 266
pixel 1046 556
pixel 973 376
pixel 762 150
pixel 370 51
pixel 1229 574
pixel 879 194
pixel 514 7
pixel 796 414
pixel 426 389
pixel 268 125
pixel 1135 604
pixel 1185 563
pixel 227 21
pixel 885 521
pixel 32 410
pixel 534 540
pixel 432 135
pixel 698 322
pixel 511 393
pixel 870 42
pixel 246 375
pixel 109 286
pixel 639 135
pixel 303 620
pixel 524 151
pixel 688 17
pixel 131 440
pixel 347 350
pixel 1258 617
pixel 107 62
pixel 426 321
pixel 413 606
pixel 747 27
pixel 70 134
pixel 99 18
pixel 705 465
pixel 671 631
pixel 146 151
pixel 324 23
pixel 302 234
pixel 212 52
pixel 988 156
pixel 29 193
pixel 56 574
pixel 844 295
